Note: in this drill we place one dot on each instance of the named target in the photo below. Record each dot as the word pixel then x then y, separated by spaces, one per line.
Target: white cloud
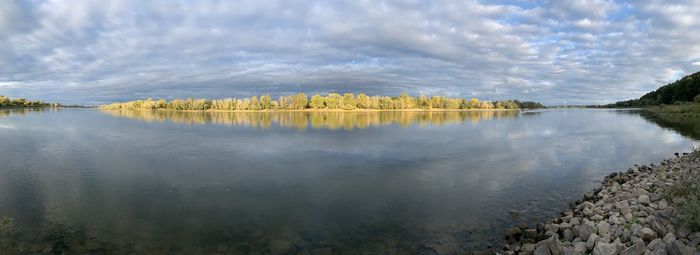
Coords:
pixel 578 51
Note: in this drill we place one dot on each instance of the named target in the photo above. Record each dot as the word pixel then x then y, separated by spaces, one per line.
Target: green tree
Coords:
pixel 349 102
pixel 317 102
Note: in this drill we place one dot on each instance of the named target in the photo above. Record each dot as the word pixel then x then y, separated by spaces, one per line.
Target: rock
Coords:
pixel 636 230
pixel 522 225
pixel 530 233
pixel 567 250
pixel 662 204
pixel 585 230
pixel 637 248
pixel 279 247
pixel 580 247
pixel 528 247
pixel 658 227
pixel 694 238
pixel 597 217
pixel 656 244
pixel 622 204
pixel 644 199
pixel 564 225
pixel 591 240
pixel 513 234
pixel 679 248
pixel 549 246
pixel 575 221
pixel 568 235
pixel 587 211
pixel 603 229
pixel 670 237
pixel 551 227
pixel 647 234
pixel 605 249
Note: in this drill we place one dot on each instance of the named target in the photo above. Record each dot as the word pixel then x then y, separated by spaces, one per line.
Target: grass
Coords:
pixel 631 222
pixel 689 210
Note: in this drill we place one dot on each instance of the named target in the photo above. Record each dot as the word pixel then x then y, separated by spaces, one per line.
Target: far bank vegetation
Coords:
pixel 332 101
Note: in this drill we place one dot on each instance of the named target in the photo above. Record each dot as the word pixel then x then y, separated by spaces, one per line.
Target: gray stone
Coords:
pixel 670 237
pixel 575 221
pixel 597 217
pixel 647 234
pixel 580 247
pixel 637 248
pixel 528 247
pixel 513 233
pixel 567 250
pixel 636 230
pixel 656 226
pixel 605 249
pixel 551 227
pixel 621 204
pixel 588 212
pixel 568 235
pixel 656 244
pixel 591 240
pixel 549 246
pixel 585 230
pixel 603 229
pixel 644 199
pixel 530 233
pixel 679 248
pixel 662 204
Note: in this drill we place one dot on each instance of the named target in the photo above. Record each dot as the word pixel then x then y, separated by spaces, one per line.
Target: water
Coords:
pixel 89 181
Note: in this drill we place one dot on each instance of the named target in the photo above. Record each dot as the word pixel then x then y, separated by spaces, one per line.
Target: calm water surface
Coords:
pixel 90 181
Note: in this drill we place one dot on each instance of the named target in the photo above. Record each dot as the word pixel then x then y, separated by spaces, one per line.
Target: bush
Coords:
pixel 696 99
pixel 690 209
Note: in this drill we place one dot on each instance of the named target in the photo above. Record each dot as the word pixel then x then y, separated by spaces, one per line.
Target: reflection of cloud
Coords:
pixel 141 181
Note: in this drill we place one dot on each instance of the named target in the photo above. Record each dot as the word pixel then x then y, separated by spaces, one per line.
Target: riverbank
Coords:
pixel 326 110
pixel 651 209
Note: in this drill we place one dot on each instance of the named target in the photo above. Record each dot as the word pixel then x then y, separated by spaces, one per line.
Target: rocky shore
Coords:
pixel 640 211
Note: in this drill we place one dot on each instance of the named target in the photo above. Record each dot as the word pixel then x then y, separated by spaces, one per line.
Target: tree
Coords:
pixel 363 101
pixel 333 101
pixel 349 102
pixel 317 102
pixel 265 102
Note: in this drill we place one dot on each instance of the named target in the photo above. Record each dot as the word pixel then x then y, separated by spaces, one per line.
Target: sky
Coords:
pixel 555 52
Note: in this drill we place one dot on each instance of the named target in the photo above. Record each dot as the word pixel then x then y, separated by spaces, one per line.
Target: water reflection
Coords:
pixel 316 120
pixel 687 125
pixel 81 181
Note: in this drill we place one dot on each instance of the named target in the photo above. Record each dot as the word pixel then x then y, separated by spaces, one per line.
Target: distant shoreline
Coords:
pixel 324 110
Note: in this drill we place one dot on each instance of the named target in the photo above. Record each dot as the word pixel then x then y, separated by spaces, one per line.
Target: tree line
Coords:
pixel 687 89
pixel 331 101
pixel 6 102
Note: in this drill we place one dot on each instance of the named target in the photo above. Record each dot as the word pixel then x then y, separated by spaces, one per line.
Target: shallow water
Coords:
pixel 84 180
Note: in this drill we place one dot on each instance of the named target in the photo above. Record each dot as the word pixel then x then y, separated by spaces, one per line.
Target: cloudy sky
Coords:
pixel 556 52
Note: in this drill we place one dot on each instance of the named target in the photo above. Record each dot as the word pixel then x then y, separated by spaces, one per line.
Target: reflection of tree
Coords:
pixel 317 120
pixel 686 125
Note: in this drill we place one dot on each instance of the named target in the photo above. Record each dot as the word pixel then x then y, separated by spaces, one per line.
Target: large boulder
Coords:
pixel 605 249
pixel 550 246
pixel 679 248
pixel 585 230
pixel 648 234
pixel 637 248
